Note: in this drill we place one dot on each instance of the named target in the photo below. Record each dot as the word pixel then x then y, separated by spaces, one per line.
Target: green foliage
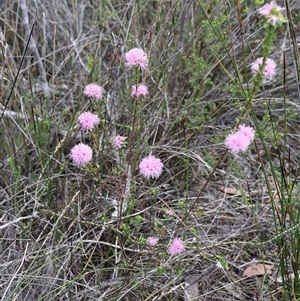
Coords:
pixel 94 67
pixel 160 270
pixel 15 168
pixel 259 2
pixel 223 262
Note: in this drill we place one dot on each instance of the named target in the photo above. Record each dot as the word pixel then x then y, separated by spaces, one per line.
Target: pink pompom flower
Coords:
pixel 176 247
pixel 87 121
pixel 247 131
pixel 119 141
pixel 152 241
pixel 272 12
pixel 81 154
pixel 151 167
pixel 139 90
pixel 240 140
pixel 269 70
pixel 237 142
pixel 169 212
pixel 136 57
pixel 94 91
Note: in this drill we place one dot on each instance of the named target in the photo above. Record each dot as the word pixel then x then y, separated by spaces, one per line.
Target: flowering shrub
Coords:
pixel 102 219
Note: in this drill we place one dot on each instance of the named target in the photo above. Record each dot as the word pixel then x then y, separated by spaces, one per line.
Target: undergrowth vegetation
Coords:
pixel 149 150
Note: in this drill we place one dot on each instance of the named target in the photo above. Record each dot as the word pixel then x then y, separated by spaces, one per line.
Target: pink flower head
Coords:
pixel 87 121
pixel 81 154
pixel 152 241
pixel 273 19
pixel 269 70
pixel 176 247
pixel 272 12
pixel 169 212
pixel 247 131
pixel 240 140
pixel 151 167
pixel 94 90
pixel 266 9
pixel 136 57
pixel 139 90
pixel 118 141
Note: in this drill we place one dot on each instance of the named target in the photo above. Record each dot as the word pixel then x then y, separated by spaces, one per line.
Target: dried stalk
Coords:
pixel 33 48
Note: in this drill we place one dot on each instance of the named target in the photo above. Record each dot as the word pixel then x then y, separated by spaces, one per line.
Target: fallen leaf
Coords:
pixel 258 270
pixel 234 191
pixel 229 190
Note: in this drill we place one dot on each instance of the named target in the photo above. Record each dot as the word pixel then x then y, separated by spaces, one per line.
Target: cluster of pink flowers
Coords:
pixel 136 57
pixel 139 90
pixel 82 154
pixel 269 69
pixel 176 247
pixel 169 212
pixel 87 121
pixel 272 12
pixel 93 91
pixel 151 167
pixel 119 141
pixel 241 139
